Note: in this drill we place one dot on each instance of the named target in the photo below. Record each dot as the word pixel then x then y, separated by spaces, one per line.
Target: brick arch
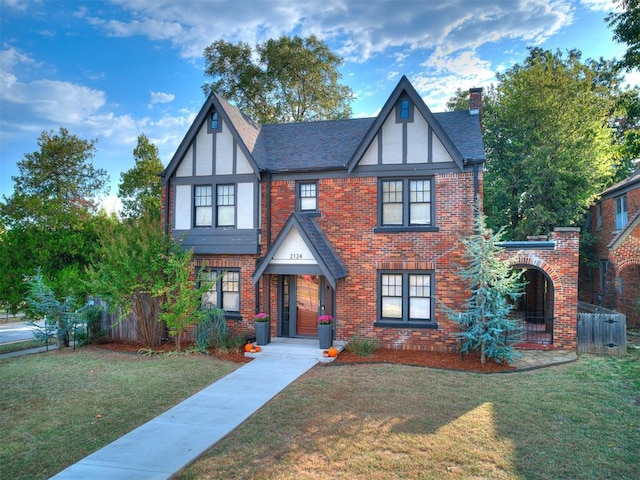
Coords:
pixel 530 260
pixel 622 264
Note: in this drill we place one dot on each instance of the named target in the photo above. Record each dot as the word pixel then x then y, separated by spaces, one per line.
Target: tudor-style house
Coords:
pixel 359 219
pixel 615 222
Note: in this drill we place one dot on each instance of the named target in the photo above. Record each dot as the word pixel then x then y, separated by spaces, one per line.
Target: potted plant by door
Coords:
pixel 263 328
pixel 325 331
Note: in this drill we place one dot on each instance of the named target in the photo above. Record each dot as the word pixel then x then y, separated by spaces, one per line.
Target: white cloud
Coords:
pixel 601 5
pixel 161 97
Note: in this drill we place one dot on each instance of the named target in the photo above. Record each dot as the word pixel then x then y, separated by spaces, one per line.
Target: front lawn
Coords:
pixel 56 408
pixel 577 421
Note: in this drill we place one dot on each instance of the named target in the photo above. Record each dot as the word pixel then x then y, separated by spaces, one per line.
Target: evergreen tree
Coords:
pixel 485 324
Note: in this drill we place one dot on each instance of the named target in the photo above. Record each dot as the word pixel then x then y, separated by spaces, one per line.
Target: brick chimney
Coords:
pixel 475 102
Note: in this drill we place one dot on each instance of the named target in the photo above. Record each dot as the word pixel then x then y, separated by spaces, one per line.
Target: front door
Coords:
pixel 302 299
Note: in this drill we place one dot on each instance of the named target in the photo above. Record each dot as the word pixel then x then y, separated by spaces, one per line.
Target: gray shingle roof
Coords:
pixel 464 131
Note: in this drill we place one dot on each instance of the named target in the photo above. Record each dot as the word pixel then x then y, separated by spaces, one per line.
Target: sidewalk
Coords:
pixel 163 446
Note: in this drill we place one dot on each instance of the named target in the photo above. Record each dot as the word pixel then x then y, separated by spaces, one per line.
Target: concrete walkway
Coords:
pixel 163 446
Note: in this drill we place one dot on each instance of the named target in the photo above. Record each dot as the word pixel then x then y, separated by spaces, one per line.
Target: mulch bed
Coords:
pixel 446 361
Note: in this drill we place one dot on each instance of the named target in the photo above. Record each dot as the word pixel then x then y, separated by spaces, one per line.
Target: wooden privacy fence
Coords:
pixel 113 327
pixel 602 331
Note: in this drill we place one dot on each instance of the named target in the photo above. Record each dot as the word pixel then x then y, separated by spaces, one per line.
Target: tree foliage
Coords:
pixel 626 29
pixel 140 187
pixel 291 79
pixel 549 142
pixel 130 272
pixel 50 219
pixel 485 324
pixel 58 315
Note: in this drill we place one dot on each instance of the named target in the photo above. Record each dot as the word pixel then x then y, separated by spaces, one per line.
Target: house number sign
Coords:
pixel 295 256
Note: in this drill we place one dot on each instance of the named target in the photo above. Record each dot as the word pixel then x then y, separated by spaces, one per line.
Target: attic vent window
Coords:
pixel 404 111
pixel 214 126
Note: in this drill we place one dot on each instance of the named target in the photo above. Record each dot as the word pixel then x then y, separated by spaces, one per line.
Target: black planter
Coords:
pixel 325 335
pixel 263 332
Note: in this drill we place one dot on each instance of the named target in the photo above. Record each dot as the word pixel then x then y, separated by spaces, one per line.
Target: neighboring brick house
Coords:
pixel 615 221
pixel 358 218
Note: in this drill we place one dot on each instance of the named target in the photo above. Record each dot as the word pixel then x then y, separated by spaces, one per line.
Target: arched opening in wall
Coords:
pixel 535 307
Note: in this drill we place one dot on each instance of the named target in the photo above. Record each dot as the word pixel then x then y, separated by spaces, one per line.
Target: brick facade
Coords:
pixel 618 286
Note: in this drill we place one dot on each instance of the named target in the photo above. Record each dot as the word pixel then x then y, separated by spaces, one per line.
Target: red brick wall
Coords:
pixel 624 262
pixel 561 266
pixel 349 216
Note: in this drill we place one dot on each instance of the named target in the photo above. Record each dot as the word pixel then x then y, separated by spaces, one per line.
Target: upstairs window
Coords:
pixel 225 206
pixel 307 196
pixel 404 111
pixel 621 212
pixel 202 206
pixel 406 203
pixel 599 215
pixel 214 122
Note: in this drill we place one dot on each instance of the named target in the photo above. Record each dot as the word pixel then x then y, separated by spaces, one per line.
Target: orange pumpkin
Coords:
pixel 333 352
pixel 253 350
pixel 248 347
pixel 258 348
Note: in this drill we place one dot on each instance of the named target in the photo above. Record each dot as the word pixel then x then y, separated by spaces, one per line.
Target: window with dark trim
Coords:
pixel 621 212
pixel 225 289
pixel 307 196
pixel 599 215
pixel 202 205
pixel 214 122
pixel 405 298
pixel 406 203
pixel 404 111
pixel 225 206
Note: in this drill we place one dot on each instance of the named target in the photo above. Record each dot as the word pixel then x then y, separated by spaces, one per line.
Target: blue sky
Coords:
pixel 112 69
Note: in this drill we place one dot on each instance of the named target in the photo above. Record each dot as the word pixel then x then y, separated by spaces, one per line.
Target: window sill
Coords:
pixel 236 317
pixel 400 229
pixel 410 325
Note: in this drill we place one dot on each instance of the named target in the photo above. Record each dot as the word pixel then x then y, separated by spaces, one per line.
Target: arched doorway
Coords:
pixel 535 307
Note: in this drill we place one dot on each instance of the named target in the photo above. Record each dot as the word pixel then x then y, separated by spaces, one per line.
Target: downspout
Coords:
pixel 268 212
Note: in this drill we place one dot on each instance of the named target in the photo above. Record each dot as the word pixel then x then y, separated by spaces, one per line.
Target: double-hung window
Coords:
pixel 621 212
pixel 405 297
pixel 224 291
pixel 202 206
pixel 307 196
pixel 225 205
pixel 406 203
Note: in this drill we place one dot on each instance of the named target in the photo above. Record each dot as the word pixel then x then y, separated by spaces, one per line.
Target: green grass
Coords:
pixel 56 408
pixel 27 344
pixel 576 421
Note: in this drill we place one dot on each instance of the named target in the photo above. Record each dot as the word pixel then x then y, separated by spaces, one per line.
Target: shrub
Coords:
pixel 362 346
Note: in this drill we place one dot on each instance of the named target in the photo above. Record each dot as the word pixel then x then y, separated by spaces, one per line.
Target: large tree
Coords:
pixel 549 142
pixel 289 79
pixel 626 29
pixel 140 187
pixel 50 219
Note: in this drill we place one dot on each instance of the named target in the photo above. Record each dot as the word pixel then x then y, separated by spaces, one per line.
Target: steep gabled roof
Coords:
pixel 323 252
pixel 405 87
pixel 244 130
pixel 623 234
pixel 331 144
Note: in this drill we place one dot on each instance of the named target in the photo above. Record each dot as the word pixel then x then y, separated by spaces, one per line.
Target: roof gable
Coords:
pixel 244 130
pixel 324 255
pixel 404 87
